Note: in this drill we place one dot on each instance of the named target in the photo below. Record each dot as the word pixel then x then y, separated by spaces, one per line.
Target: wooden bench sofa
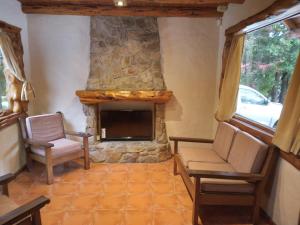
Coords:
pixel 11 213
pixel 233 171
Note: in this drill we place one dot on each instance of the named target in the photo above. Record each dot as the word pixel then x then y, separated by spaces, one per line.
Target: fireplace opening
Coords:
pixel 122 125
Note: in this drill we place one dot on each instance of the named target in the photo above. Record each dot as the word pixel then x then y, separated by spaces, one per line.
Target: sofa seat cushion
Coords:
pixel 247 153
pixel 61 148
pixel 199 155
pixel 6 205
pixel 221 185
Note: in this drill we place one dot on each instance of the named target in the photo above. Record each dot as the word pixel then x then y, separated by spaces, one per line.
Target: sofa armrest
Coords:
pixel 25 210
pixel 36 143
pixel 225 175
pixel 187 139
pixel 78 134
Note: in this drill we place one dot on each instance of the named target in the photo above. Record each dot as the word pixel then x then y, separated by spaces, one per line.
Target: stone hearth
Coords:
pixel 125 56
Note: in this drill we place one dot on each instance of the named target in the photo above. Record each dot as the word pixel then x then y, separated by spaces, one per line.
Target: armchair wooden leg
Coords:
pixel 86 153
pixel 175 167
pixel 49 166
pixel 196 202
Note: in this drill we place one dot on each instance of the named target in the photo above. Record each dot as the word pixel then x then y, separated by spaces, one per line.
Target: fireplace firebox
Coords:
pixel 122 125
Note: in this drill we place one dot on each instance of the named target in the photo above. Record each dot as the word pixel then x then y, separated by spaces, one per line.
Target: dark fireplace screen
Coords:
pixel 119 125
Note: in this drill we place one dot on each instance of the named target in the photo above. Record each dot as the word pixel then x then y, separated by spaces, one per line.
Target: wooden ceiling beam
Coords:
pixel 171 3
pixel 88 10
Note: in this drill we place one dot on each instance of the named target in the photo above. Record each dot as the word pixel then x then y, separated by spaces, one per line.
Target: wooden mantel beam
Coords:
pixel 92 97
pixel 166 8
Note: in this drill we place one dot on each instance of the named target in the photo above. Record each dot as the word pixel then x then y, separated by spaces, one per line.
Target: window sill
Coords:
pixel 264 133
pixel 8 118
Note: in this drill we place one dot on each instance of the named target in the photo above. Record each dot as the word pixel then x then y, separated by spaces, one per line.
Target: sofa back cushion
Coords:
pixel 223 140
pixel 247 153
pixel 46 127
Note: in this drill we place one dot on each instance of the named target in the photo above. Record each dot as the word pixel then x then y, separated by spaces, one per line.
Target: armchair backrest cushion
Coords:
pixel 223 140
pixel 46 127
pixel 247 153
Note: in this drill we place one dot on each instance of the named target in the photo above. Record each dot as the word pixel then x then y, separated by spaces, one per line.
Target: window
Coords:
pixel 3 98
pixel 269 58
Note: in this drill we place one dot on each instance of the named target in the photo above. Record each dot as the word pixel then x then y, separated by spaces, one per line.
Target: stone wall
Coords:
pixel 125 55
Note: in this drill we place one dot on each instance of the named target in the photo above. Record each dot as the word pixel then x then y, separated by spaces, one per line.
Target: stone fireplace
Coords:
pixel 125 74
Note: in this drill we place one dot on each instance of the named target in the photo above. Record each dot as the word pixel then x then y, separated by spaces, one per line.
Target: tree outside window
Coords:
pixel 3 98
pixel 269 59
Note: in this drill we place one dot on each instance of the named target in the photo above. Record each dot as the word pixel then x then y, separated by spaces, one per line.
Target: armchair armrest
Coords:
pixel 78 134
pixel 39 143
pixel 225 175
pixel 6 178
pixel 187 139
pixel 23 211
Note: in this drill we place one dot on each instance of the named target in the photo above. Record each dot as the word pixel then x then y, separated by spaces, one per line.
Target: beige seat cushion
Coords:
pixel 220 185
pixel 247 153
pixel 6 205
pixel 199 155
pixel 46 127
pixel 224 138
pixel 61 148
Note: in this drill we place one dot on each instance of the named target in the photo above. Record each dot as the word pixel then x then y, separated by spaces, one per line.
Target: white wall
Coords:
pixel 189 49
pixel 284 204
pixel 12 154
pixel 60 62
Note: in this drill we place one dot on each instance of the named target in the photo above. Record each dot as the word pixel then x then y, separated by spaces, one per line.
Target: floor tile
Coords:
pixel 139 218
pixel 108 217
pixel 139 201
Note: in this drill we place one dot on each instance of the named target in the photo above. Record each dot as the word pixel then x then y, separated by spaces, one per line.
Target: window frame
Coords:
pixel 7 117
pixel 256 129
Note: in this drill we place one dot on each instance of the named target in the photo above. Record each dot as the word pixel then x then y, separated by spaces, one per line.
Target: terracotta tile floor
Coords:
pixel 116 194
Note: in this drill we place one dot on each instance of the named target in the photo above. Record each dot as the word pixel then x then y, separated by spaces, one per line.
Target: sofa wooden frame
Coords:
pixel 201 198
pixel 28 213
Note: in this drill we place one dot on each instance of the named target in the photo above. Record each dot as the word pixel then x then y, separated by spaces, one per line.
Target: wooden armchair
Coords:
pixel 233 171
pixel 46 138
pixel 11 213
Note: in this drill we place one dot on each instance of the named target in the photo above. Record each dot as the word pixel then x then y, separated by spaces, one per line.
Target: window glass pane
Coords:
pixel 269 59
pixel 3 99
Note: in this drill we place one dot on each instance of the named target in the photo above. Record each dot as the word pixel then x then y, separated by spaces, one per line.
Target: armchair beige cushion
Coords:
pixel 61 147
pixel 46 127
pixel 247 154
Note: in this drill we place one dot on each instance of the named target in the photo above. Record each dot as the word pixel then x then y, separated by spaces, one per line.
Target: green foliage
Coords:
pixel 2 82
pixel 269 59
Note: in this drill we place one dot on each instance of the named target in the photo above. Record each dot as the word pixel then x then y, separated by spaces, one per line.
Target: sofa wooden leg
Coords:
pixel 256 213
pixel 86 153
pixel 196 202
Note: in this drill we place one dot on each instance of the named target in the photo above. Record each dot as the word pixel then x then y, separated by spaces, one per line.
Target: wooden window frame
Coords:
pixel 256 129
pixel 7 117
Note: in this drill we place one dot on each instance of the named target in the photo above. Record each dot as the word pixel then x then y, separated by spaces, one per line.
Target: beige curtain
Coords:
pixel 287 135
pixel 230 85
pixel 11 63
